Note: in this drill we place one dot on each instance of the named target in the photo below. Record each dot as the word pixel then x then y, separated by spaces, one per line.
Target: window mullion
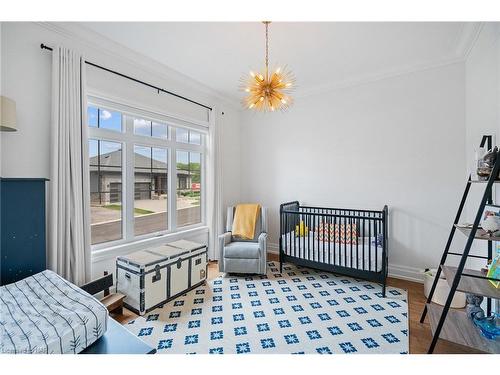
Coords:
pixel 172 182
pixel 129 180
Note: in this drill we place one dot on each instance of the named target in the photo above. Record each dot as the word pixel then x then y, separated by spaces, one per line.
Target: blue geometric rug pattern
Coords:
pixel 301 311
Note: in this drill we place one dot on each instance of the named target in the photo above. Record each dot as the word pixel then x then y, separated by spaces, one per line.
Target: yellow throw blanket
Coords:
pixel 245 218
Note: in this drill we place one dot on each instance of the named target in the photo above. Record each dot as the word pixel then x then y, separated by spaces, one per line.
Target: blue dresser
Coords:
pixel 23 239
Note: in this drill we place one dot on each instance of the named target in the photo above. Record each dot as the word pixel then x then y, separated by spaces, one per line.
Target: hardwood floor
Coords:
pixel 420 334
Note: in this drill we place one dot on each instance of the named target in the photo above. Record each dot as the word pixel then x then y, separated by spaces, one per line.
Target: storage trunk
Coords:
pixel 149 278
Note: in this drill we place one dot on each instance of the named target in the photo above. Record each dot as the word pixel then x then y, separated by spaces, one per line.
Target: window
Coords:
pixel 150 190
pixel 150 128
pixel 105 162
pixel 188 188
pixel 188 136
pixel 104 119
pixel 135 162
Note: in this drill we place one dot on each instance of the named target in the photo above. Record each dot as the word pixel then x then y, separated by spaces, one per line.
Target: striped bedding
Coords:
pixel 44 313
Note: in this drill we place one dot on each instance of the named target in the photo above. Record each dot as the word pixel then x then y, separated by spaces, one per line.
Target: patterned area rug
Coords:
pixel 300 311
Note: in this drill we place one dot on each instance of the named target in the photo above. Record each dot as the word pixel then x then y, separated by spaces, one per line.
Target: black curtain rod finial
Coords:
pixel 43 46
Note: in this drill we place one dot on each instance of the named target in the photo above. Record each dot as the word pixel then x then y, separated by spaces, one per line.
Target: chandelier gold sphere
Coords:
pixel 268 91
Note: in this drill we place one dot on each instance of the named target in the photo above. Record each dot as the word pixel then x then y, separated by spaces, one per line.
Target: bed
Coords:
pixel 44 313
pixel 351 242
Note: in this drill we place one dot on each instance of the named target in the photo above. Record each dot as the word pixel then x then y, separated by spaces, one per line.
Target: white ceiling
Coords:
pixel 319 54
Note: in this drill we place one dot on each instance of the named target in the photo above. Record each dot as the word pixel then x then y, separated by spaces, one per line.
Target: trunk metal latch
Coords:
pixel 157 275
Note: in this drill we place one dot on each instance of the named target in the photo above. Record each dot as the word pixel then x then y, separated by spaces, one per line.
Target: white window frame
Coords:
pixel 128 139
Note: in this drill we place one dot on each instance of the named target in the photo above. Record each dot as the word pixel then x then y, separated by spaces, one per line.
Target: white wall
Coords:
pixel 482 88
pixel 1 93
pixel 397 141
pixel 26 78
pixel 482 106
pixel 482 93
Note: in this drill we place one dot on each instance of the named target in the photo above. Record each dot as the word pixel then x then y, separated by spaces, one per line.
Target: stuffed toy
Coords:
pixel 302 230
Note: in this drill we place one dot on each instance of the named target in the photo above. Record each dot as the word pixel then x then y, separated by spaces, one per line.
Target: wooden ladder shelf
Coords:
pixel 453 324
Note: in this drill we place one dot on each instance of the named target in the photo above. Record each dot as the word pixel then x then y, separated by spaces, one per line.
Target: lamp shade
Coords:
pixel 7 114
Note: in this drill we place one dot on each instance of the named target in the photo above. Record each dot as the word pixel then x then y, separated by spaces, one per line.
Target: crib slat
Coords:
pixel 345 244
pixel 304 245
pixel 329 243
pixel 369 246
pixel 350 236
pixel 376 246
pixel 324 242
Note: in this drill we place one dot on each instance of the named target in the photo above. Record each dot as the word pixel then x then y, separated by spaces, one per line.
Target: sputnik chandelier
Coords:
pixel 268 91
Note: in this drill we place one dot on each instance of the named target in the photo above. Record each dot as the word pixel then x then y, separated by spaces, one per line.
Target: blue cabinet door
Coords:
pixel 23 239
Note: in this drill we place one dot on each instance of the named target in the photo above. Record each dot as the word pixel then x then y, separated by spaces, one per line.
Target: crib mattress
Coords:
pixel 339 254
pixel 44 313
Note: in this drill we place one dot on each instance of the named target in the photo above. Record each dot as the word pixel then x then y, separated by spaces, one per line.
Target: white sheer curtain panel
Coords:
pixel 69 208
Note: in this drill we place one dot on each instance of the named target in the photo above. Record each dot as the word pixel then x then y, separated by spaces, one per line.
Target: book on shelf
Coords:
pixel 494 272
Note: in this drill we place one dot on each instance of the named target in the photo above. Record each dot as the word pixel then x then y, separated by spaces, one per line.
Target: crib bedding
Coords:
pixel 45 313
pixel 339 254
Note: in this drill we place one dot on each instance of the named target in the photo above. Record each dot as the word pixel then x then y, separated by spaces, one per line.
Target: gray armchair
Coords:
pixel 244 256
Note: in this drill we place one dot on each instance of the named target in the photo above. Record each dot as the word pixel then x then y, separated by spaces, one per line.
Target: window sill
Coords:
pixel 126 248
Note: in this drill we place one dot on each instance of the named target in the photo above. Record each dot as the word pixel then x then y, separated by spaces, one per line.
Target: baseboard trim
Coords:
pixel 273 248
pixel 396 271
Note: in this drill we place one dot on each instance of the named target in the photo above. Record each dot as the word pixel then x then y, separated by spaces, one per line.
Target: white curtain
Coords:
pixel 214 185
pixel 69 208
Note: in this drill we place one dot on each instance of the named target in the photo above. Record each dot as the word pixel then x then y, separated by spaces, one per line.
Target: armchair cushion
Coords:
pixel 242 250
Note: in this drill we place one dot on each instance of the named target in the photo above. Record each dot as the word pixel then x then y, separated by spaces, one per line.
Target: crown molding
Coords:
pixel 372 78
pixel 468 38
pixel 78 33
pixel 465 42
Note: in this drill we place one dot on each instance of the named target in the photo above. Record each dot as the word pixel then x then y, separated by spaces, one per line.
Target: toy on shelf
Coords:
pixel 473 308
pixel 491 222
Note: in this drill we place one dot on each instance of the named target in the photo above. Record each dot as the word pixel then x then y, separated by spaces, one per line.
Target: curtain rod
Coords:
pixel 159 89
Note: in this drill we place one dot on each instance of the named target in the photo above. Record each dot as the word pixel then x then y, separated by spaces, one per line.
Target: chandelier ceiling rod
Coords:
pixel 267 46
